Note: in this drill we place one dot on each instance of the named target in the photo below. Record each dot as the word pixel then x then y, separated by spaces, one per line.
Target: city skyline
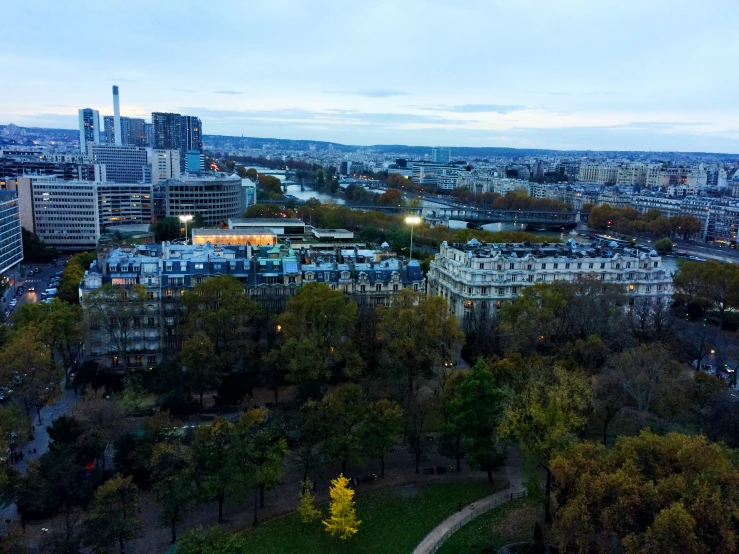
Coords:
pixel 616 77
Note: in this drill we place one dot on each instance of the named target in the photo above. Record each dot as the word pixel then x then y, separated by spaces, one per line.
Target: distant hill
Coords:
pixel 13 134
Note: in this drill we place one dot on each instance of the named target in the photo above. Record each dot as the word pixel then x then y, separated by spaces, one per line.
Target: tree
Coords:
pixel 172 476
pixel 649 493
pixel 27 366
pixel 118 312
pixel 198 356
pixel 113 517
pixel 36 250
pixel 252 174
pixel 73 274
pixel 477 413
pixel 343 519
pixel 711 285
pixel 381 429
pixel 102 417
pixel 344 409
pixel 315 327
pixel 212 459
pixel 214 540
pixel 663 245
pixel 450 443
pixel 219 309
pixel 269 184
pixel 263 210
pixel 168 228
pixel 307 507
pixel 392 197
pixel 547 416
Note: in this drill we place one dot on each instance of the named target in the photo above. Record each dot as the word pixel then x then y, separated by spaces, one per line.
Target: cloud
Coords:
pixel 373 93
pixel 228 92
pixel 475 108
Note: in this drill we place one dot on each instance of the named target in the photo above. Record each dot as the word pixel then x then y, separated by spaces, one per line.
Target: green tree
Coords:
pixel 263 210
pixel 381 429
pixel 477 412
pixel 114 515
pixel 649 493
pixel 212 458
pixel 173 483
pixel 663 245
pixel 392 197
pixel 252 174
pixel 307 507
pixel 547 416
pixel 198 356
pixel 343 515
pixel 214 540
pixel 711 285
pixel 36 250
pixel 219 309
pixel 73 274
pixel 344 409
pixel 315 327
pixel 28 368
pixel 168 228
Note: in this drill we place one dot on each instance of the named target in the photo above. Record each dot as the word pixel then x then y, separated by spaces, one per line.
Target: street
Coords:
pixel 40 281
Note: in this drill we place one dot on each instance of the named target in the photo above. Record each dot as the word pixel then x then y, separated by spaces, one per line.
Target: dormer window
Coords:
pixel 124 268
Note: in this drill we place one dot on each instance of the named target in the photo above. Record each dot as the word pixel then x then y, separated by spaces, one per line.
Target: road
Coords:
pixel 40 443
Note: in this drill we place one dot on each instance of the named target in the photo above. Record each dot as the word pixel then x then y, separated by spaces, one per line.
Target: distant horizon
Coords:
pixel 429 146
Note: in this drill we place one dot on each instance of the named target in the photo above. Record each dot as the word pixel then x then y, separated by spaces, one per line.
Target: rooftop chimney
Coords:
pixel 117 116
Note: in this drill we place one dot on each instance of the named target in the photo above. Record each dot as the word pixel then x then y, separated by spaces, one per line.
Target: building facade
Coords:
pixel 89 120
pixel 123 164
pixel 165 165
pixel 216 199
pixel 73 214
pixel 11 245
pixel 476 279
pixel 269 274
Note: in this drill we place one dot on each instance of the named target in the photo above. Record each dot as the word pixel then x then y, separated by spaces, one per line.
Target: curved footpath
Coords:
pixel 440 533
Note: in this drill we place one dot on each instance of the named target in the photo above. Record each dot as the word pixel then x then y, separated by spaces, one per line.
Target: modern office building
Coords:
pixel 216 199
pixel 172 131
pixel 73 214
pixel 270 274
pixel 195 161
pixel 441 155
pixel 89 120
pixel 11 245
pixel 123 164
pixel 193 128
pixel 165 165
pixel 476 278
pixel 133 131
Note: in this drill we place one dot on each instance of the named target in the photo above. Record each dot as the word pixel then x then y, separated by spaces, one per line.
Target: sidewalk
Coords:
pixel 514 469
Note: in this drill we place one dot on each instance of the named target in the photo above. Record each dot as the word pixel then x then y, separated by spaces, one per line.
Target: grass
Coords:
pixel 392 521
pixel 481 531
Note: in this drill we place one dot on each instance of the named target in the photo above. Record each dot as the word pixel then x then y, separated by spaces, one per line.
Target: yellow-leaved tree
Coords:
pixel 307 509
pixel 343 521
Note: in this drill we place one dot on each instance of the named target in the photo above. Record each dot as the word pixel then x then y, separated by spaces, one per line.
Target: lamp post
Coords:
pixel 185 219
pixel 412 220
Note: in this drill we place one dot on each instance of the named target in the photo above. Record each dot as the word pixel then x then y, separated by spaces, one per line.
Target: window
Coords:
pixel 531 278
pixel 656 264
pixel 567 266
pixel 628 265
pixel 514 290
pixel 602 265
pixel 378 287
pixel 482 266
pixel 151 361
pixel 579 266
pixel 618 266
pixel 529 267
pixel 556 266
pixel 115 361
pixel 415 286
pixel 511 266
pixel 362 288
pixel 150 322
pixel 395 288
pixel 649 289
pixel 500 267
pixel 469 290
pixel 543 266
pixel 484 290
pixel 590 266
pixel 631 288
pixel 136 321
pixel 199 266
pixel 618 277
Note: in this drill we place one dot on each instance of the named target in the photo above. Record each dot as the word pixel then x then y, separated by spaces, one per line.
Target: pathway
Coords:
pixel 514 470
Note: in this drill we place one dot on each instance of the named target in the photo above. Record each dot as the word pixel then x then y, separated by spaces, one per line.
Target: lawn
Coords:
pixel 486 531
pixel 392 522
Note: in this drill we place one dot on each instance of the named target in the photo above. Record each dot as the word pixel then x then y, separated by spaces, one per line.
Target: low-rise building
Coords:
pixel 476 278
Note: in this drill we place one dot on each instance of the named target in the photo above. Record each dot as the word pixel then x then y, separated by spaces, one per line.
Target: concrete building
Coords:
pixel 172 131
pixel 123 164
pixel 269 274
pixel 89 120
pixel 73 214
pixel 11 245
pixel 217 199
pixel 165 165
pixel 476 279
pixel 195 161
pixel 598 173
pixel 441 155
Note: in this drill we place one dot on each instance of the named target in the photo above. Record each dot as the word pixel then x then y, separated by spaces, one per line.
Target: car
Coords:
pixel 31 288
pixel 37 270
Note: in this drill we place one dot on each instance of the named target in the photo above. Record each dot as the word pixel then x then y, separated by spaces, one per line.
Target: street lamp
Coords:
pixel 412 220
pixel 186 219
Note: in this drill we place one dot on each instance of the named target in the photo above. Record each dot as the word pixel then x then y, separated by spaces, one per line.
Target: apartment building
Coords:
pixel 123 164
pixel 270 274
pixel 476 278
pixel 598 173
pixel 11 245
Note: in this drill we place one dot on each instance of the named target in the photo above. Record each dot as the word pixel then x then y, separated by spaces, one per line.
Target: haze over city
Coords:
pixel 603 76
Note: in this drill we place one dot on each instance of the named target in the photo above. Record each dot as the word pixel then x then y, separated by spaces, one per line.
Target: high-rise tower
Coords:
pixel 89 128
pixel 117 116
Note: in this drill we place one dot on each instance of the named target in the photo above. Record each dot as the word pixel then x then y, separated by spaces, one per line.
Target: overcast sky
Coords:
pixel 595 74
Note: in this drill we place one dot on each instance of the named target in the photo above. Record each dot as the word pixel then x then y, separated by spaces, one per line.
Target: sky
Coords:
pixel 565 74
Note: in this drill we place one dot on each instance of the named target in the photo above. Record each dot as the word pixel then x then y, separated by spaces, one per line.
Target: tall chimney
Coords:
pixel 117 116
